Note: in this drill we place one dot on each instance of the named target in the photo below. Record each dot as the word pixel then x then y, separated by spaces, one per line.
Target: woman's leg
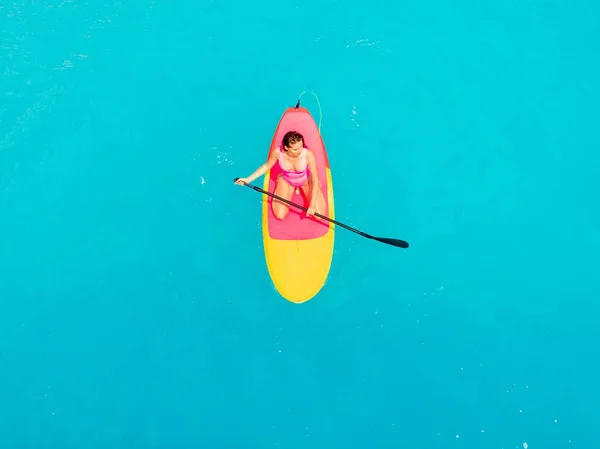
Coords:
pixel 307 191
pixel 284 190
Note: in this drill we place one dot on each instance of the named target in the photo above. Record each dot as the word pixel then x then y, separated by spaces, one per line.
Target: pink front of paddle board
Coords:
pixel 296 226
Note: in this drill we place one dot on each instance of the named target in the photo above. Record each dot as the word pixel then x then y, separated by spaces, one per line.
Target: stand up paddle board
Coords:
pixel 298 250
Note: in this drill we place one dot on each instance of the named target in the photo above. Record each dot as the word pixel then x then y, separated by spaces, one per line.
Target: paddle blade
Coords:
pixel 393 242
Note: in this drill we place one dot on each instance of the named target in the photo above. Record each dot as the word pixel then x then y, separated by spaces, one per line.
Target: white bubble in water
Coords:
pixel 525 445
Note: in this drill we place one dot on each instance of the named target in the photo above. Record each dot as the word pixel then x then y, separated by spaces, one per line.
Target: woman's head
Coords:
pixel 293 142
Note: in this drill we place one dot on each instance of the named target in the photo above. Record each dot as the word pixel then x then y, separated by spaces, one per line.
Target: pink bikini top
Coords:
pixel 293 173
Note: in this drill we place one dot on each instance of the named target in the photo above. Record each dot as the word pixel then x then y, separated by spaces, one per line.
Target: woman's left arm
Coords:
pixel 316 185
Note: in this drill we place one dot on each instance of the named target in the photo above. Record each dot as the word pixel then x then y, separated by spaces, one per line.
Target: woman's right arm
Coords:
pixel 263 168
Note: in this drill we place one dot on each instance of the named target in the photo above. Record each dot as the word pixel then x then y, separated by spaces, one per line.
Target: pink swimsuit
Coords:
pixel 292 177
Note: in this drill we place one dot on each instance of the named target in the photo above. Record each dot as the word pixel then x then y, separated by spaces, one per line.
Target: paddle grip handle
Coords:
pixel 258 189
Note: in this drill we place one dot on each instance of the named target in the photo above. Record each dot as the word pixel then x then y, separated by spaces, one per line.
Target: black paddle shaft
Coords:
pixel 393 242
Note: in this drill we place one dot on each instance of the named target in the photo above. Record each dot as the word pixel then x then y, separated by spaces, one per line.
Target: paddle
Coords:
pixel 393 242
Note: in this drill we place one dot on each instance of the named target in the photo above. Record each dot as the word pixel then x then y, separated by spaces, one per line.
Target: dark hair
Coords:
pixel 292 137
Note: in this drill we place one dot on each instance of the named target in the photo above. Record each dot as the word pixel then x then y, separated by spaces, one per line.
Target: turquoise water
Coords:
pixel 136 310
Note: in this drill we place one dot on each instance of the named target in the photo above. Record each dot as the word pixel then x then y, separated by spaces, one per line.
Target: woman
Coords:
pixel 298 171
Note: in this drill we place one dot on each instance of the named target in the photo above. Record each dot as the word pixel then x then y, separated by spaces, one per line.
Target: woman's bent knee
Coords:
pixel 280 214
